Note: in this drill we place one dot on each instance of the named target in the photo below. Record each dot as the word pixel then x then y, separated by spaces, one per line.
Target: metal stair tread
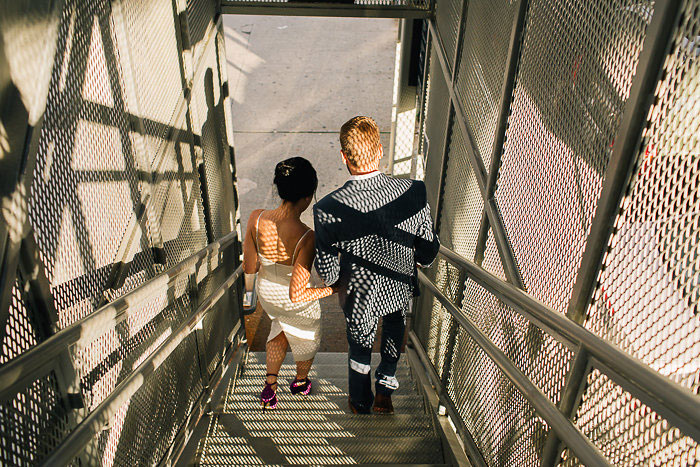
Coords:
pixel 323 384
pixel 359 450
pixel 321 358
pixel 315 403
pixel 324 426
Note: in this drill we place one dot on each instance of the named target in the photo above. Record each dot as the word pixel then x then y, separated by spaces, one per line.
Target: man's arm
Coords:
pixel 427 243
pixel 327 255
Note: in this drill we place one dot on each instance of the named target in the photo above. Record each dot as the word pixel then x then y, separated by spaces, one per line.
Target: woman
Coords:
pixel 281 248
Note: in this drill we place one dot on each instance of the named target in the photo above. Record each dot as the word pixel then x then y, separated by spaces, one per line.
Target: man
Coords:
pixel 371 233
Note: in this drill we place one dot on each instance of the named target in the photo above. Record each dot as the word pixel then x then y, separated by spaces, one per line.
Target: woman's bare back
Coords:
pixel 278 235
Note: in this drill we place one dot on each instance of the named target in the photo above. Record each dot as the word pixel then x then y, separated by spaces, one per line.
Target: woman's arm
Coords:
pixel 250 249
pixel 299 290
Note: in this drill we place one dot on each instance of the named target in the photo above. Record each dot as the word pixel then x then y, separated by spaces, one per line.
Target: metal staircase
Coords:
pixel 317 429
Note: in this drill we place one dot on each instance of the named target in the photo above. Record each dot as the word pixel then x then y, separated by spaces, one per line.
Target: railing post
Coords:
pixel 450 79
pixel 617 179
pixel 511 70
pixel 453 329
pixel 504 248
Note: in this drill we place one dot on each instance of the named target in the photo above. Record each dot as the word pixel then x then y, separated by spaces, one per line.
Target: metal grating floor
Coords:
pixel 317 429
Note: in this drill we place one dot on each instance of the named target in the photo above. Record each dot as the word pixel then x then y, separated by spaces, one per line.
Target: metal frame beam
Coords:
pixel 324 9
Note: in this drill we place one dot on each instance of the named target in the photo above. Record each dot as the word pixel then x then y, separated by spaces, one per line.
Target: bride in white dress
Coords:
pixel 280 248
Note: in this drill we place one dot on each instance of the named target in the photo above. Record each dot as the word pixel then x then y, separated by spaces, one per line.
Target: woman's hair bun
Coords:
pixel 295 179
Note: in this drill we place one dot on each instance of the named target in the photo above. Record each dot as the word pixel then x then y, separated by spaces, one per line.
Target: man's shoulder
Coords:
pixel 330 201
pixel 405 182
pixel 408 186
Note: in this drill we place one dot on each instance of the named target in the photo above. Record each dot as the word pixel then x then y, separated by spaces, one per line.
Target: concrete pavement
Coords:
pixel 294 81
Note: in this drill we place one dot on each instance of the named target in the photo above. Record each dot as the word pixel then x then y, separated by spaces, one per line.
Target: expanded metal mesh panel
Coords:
pixel 19 333
pixel 461 210
pixel 208 121
pixel 140 435
pixel 433 321
pixel 154 66
pixel 84 162
pixel 29 31
pixel 115 168
pixel 544 360
pixel 482 68
pixel 177 198
pixel 648 296
pixel 33 423
pixel 436 119
pixel 447 17
pixel 442 325
pixel 492 260
pixel 502 423
pixel 628 432
pixel 576 68
pixel 108 359
pixel 218 323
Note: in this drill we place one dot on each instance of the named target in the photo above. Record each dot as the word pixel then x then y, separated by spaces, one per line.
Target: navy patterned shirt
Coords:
pixel 370 235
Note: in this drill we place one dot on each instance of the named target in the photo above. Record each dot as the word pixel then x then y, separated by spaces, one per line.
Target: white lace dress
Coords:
pixel 301 322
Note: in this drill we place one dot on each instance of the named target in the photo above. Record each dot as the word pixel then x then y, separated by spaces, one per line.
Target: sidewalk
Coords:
pixel 294 81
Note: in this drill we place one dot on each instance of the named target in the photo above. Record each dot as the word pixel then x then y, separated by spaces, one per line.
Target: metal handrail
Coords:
pixel 679 405
pixel 39 359
pixel 586 451
pixel 99 417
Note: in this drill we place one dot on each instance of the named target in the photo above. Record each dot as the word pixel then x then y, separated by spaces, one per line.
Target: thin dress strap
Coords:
pixel 294 256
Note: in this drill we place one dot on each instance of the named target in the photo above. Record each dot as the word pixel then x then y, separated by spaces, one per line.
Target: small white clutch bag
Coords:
pixel 250 296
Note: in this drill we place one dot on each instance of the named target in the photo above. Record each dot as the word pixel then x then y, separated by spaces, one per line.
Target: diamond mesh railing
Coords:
pixel 560 321
pixel 119 247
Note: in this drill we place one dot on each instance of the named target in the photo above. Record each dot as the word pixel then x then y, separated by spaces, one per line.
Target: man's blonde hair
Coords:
pixel 359 141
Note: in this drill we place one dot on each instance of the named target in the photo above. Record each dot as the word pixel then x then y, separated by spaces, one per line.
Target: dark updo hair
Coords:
pixel 295 179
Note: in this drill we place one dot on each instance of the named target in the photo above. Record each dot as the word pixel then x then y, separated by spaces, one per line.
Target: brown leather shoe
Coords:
pixel 352 407
pixel 382 404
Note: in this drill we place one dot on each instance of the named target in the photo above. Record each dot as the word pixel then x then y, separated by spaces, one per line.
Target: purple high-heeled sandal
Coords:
pixel 302 386
pixel 268 397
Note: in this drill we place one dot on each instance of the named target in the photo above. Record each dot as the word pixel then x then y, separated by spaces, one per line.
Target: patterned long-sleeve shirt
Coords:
pixel 370 235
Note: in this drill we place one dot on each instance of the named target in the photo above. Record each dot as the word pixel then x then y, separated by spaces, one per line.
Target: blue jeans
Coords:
pixel 360 340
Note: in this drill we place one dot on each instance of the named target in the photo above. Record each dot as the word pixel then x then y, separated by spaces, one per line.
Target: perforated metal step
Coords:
pixel 317 429
pixel 314 403
pixel 321 451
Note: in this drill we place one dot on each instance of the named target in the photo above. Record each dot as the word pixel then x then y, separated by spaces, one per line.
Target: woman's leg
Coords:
pixel 276 350
pixel 303 368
